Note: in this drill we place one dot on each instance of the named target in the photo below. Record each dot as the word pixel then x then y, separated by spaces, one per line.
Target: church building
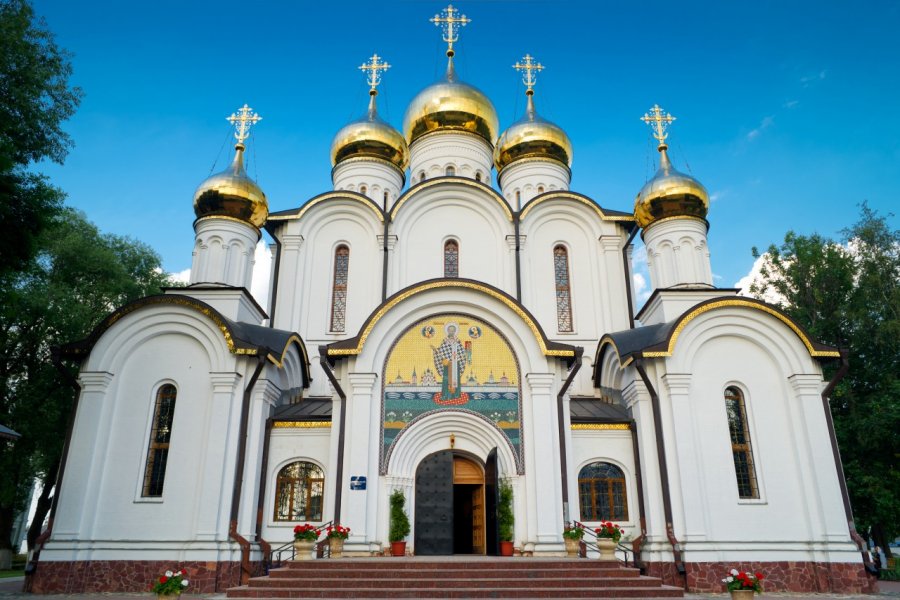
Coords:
pixel 429 332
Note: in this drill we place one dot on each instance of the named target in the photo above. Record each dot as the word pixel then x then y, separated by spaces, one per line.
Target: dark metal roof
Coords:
pixel 594 410
pixel 634 340
pixel 8 434
pixel 308 409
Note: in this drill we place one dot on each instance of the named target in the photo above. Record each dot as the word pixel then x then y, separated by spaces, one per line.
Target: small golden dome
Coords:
pixel 670 193
pixel 532 137
pixel 371 137
pixel 450 105
pixel 232 193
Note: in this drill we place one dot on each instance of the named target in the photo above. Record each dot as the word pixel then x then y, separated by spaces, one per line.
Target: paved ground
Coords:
pixel 10 589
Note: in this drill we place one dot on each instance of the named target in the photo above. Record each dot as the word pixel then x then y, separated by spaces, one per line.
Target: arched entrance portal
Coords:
pixel 456 505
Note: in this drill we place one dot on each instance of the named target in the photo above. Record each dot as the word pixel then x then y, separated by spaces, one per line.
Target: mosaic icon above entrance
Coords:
pixel 451 362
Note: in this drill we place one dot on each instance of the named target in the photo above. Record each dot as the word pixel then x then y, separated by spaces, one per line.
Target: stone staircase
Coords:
pixel 454 577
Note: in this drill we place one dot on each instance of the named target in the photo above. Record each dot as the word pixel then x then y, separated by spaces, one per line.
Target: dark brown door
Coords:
pixel 434 505
pixel 491 496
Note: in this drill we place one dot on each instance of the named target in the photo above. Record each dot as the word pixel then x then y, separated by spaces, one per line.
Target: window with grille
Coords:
pixel 451 171
pixel 451 259
pixel 741 450
pixel 160 434
pixel 478 176
pixel 563 289
pixel 601 493
pixel 299 489
pixel 339 289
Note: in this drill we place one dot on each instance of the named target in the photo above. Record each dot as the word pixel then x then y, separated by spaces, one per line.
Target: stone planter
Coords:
pixel 506 548
pixel 398 548
pixel 572 547
pixel 337 547
pixel 303 550
pixel 742 594
pixel 607 548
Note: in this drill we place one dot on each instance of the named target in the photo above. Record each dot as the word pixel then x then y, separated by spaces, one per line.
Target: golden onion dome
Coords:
pixel 233 194
pixel 450 105
pixel 670 193
pixel 532 137
pixel 370 137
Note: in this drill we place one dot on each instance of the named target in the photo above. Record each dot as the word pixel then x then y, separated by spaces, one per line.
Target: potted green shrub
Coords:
pixel 399 524
pixel 505 519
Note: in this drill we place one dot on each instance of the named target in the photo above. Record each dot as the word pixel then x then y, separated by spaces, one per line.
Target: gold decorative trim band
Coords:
pixel 577 198
pixel 449 284
pixel 344 195
pixel 301 425
pixel 455 180
pixel 601 426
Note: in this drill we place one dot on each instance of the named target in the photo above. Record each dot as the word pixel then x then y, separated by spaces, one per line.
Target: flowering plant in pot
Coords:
pixel 743 584
pixel 608 535
pixel 572 535
pixel 399 524
pixel 170 583
pixel 505 519
pixel 336 535
pixel 305 537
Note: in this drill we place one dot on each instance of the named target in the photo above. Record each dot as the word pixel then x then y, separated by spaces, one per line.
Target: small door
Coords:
pixel 491 497
pixel 478 519
pixel 434 505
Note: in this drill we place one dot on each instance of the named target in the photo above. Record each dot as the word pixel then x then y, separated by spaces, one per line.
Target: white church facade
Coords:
pixel 420 320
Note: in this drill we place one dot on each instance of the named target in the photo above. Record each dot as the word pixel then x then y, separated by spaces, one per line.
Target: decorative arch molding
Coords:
pixel 416 191
pixel 473 434
pixel 566 196
pixel 240 338
pixel 354 345
pixel 295 214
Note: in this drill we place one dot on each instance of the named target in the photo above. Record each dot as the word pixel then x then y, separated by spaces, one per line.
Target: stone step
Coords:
pixel 465 565
pixel 422 592
pixel 431 583
pixel 445 572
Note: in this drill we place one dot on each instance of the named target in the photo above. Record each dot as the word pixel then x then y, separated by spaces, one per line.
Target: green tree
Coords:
pixel 848 295
pixel 35 100
pixel 77 277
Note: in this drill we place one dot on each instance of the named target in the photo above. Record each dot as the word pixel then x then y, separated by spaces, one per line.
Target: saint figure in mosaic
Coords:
pixel 450 360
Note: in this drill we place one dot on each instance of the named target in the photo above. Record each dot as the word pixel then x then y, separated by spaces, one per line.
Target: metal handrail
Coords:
pixel 276 556
pixel 586 545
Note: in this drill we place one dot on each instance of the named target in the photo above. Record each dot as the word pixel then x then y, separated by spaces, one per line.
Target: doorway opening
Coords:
pixel 468 507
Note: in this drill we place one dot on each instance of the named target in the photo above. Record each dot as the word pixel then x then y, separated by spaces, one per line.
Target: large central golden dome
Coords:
pixel 450 105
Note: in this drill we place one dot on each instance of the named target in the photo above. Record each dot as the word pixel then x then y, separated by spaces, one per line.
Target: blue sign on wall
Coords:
pixel 358 482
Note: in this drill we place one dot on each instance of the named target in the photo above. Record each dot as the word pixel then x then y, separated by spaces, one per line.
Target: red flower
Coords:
pixel 759 575
pixel 163 579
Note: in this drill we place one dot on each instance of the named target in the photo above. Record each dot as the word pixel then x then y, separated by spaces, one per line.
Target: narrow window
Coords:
pixel 363 189
pixel 421 176
pixel 385 200
pixel 601 493
pixel 478 176
pixel 518 199
pixel 160 434
pixel 450 171
pixel 339 288
pixel 563 291
pixel 740 444
pixel 451 259
pixel 540 189
pixel 299 489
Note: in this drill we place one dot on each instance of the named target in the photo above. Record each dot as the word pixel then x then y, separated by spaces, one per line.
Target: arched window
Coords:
pixel 299 490
pixel 339 289
pixel 363 189
pixel 160 434
pixel 451 258
pixel 563 289
pixel 451 170
pixel 478 176
pixel 518 199
pixel 421 176
pixel 601 493
pixel 540 189
pixel 740 444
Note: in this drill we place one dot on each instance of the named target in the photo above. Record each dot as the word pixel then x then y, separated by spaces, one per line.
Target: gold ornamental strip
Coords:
pixel 577 198
pixel 301 425
pixel 343 195
pixel 601 426
pixel 458 181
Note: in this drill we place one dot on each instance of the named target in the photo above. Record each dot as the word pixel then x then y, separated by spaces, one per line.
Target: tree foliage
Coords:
pixel 35 100
pixel 848 295
pixel 76 278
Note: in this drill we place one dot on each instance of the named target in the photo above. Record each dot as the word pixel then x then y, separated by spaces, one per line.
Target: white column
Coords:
pixel 542 465
pixel 287 301
pixel 265 397
pixel 360 458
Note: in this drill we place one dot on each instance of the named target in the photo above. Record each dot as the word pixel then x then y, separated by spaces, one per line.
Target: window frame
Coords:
pixel 447 243
pixel 332 305
pixel 610 492
pixel 141 492
pixel 568 289
pixel 277 486
pixel 749 432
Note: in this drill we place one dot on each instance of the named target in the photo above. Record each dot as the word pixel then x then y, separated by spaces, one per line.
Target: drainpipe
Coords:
pixel 276 272
pixel 638 542
pixel 261 499
pixel 845 494
pixel 560 418
pixel 384 264
pixel 342 425
pixel 518 259
pixel 628 276
pixel 663 469
pixel 246 571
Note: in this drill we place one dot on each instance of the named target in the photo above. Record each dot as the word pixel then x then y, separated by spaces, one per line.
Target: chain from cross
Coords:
pixel 373 70
pixel 529 70
pixel 450 20
pixel 659 121
pixel 243 120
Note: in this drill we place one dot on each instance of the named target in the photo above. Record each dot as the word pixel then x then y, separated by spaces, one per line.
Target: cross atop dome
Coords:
pixel 529 70
pixel 243 120
pixel 659 122
pixel 373 69
pixel 450 21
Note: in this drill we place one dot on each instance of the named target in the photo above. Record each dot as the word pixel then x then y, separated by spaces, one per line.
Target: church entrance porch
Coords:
pixel 456 508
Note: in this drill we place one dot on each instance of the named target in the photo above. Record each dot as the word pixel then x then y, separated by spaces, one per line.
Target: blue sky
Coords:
pixel 787 111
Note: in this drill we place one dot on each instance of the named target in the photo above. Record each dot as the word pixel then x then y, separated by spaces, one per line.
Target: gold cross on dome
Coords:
pixel 659 122
pixel 373 70
pixel 529 70
pixel 450 20
pixel 243 120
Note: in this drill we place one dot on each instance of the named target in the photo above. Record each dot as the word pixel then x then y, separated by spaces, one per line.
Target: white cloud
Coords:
pixel 809 79
pixel 753 276
pixel 640 277
pixel 262 274
pixel 763 125
pixel 181 276
pixel 791 103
